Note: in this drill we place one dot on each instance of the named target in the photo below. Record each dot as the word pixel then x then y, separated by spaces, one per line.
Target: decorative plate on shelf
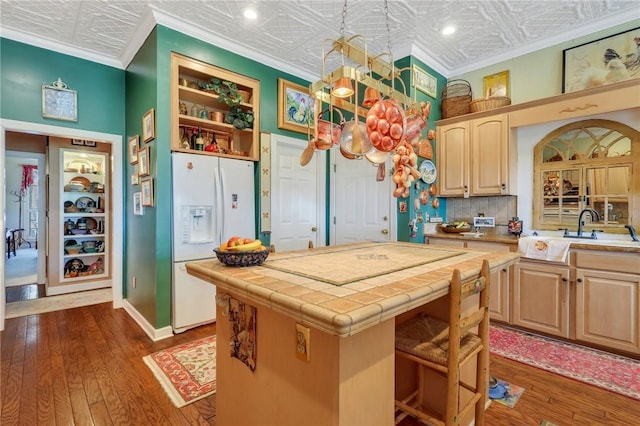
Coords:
pixel 82 180
pixel 84 202
pixel 428 172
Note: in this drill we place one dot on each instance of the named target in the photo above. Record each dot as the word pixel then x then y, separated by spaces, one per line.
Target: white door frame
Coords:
pixel 117 192
pixel 321 177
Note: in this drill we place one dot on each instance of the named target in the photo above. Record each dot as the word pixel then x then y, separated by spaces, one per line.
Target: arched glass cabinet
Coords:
pixel 587 165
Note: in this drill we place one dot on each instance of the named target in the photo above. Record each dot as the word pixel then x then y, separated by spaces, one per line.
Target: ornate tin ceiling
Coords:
pixel 288 34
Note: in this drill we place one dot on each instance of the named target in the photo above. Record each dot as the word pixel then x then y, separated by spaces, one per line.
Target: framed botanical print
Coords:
pixel 146 185
pixel 149 126
pixel 134 145
pixel 143 162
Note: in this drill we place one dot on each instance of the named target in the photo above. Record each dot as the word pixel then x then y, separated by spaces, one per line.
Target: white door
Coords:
pixel 297 206
pixel 363 208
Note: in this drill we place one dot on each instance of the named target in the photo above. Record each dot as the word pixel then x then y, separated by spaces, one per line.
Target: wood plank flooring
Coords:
pixel 24 292
pixel 83 366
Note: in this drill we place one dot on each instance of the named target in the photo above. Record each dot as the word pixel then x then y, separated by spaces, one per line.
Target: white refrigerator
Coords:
pixel 213 200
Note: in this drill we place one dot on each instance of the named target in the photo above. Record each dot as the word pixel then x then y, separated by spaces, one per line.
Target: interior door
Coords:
pixel 363 206
pixel 296 203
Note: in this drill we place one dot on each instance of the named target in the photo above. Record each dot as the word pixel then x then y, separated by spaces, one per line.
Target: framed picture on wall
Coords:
pixel 143 162
pixel 496 84
pixel 59 102
pixel 146 185
pixel 134 145
pixel 425 82
pixel 137 204
pixel 601 62
pixel 297 110
pixel 149 126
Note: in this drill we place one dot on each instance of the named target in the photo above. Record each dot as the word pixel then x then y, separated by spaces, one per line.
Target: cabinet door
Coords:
pixel 489 156
pixel 541 298
pixel 452 148
pixel 607 309
pixel 499 282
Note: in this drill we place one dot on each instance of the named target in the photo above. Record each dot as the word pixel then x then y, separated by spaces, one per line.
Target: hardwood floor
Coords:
pixel 24 292
pixel 83 366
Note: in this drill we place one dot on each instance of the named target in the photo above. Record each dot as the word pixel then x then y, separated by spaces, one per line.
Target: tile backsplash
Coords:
pixel 503 208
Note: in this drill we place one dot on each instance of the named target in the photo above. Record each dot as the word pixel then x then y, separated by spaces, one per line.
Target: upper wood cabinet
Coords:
pixel 474 158
pixel 197 107
pixel 587 164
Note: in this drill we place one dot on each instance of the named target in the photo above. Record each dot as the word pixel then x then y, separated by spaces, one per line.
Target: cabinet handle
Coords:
pixel 564 280
pixel 504 269
pixel 579 280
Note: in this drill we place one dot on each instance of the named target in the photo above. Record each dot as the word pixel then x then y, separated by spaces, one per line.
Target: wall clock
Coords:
pixel 59 102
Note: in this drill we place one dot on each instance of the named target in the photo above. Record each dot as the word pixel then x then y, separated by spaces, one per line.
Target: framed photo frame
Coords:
pixel 425 82
pixel 496 84
pixel 135 179
pixel 59 102
pixel 297 110
pixel 138 210
pixel 149 126
pixel 146 186
pixel 77 142
pixel 143 162
pixel 90 143
pixel 601 62
pixel 134 145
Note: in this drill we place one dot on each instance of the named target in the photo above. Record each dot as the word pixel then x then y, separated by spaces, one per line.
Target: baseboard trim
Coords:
pixel 154 334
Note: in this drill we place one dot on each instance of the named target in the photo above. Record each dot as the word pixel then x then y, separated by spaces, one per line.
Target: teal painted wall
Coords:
pixel 25 68
pixel 151 296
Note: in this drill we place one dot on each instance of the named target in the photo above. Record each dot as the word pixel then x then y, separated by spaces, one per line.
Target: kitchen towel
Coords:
pixel 549 249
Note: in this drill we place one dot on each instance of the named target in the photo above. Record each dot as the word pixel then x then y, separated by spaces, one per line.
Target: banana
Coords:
pixel 255 245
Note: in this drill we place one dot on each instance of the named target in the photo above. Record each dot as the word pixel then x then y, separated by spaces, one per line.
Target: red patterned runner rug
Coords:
pixel 608 371
pixel 187 372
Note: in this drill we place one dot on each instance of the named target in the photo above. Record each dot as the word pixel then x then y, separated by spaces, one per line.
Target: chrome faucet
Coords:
pixel 595 217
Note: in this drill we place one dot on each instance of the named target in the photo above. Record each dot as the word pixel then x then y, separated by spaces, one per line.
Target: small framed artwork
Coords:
pixel 146 185
pixel 425 82
pixel 137 204
pixel 59 102
pixel 89 143
pixel 601 62
pixel 134 145
pixel 496 84
pixel 77 142
pixel 297 110
pixel 143 161
pixel 149 126
pixel 135 179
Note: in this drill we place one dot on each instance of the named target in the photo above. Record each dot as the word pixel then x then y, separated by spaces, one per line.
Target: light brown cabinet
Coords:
pixel 541 297
pixel 197 106
pixel 475 158
pixel 608 303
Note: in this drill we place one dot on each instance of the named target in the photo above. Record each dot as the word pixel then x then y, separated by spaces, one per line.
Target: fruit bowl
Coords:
pixel 450 228
pixel 242 258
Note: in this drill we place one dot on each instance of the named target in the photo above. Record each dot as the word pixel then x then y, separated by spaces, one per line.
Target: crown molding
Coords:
pixel 143 29
pixel 183 27
pixel 58 47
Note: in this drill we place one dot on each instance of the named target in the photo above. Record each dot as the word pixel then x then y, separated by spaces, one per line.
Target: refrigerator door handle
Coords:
pixel 223 197
pixel 218 206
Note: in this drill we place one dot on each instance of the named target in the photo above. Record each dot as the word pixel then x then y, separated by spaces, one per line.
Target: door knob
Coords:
pixel 385 231
pixel 314 229
pixel 385 218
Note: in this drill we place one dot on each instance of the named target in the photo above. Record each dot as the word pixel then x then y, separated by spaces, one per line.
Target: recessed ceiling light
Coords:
pixel 250 13
pixel 448 30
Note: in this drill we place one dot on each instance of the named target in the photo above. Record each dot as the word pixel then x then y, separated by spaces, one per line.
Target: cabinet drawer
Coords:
pixel 446 242
pixel 490 246
pixel 617 262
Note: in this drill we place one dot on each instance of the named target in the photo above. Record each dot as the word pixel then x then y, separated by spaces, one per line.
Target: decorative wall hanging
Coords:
pixel 137 204
pixel 146 185
pixel 134 145
pixel 59 102
pixel 143 162
pixel 425 82
pixel 496 84
pixel 242 320
pixel 601 62
pixel 296 108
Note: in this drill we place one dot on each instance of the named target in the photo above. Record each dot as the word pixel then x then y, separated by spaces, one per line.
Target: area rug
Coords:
pixel 186 372
pixel 608 371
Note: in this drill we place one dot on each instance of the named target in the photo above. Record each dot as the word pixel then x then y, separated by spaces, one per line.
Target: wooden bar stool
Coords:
pixel 444 348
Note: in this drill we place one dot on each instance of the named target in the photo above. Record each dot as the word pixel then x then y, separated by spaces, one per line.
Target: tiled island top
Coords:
pixel 345 289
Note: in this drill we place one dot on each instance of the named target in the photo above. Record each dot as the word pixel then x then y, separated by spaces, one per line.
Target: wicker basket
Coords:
pixel 456 98
pixel 448 230
pixel 242 258
pixel 485 104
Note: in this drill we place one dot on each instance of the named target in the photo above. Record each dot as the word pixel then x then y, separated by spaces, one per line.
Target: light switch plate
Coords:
pixel 303 335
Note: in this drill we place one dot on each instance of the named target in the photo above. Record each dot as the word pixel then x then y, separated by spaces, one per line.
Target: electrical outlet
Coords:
pixel 303 335
pixel 133 282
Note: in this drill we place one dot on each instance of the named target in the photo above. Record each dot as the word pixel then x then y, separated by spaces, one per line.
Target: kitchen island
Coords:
pixel 341 303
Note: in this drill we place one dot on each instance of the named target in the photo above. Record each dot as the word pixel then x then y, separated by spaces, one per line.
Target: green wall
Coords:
pixel 25 68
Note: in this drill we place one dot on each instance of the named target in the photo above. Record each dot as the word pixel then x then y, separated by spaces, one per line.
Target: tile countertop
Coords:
pixel 613 245
pixel 345 289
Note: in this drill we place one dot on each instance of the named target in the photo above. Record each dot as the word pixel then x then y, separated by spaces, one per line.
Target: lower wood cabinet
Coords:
pixel 541 297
